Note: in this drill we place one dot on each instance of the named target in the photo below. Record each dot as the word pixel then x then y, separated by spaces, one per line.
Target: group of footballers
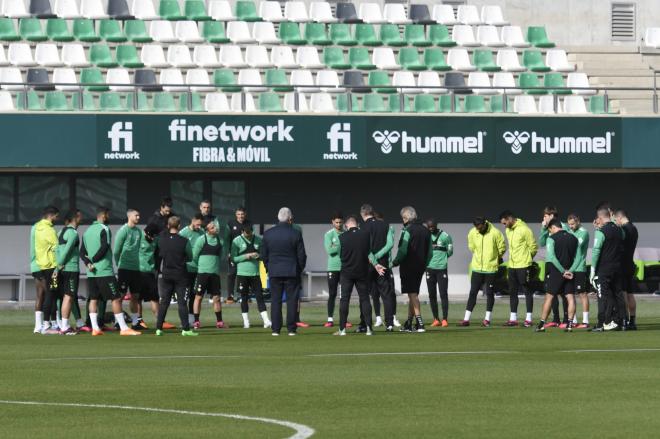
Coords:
pixel 168 262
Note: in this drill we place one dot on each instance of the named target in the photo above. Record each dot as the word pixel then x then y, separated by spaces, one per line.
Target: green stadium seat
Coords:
pixel 140 104
pixel 340 34
pixel 316 34
pixel 164 102
pixel 390 35
pixel 497 105
pixel 170 10
pixel 31 30
pixel 33 102
pixel 378 79
pixel 58 30
pixel 195 10
pixel 83 30
pixel 290 33
pixel 365 34
pixel 8 30
pixel 92 75
pixel 195 100
pixel 439 36
pixel 409 59
pixel 56 101
pixel 597 105
pixel 110 31
pixel 475 104
pixel 415 35
pixel 538 37
pixel 110 101
pixel 214 32
pixel 276 78
pixel 101 56
pixel 342 103
pixel 246 11
pixel 435 60
pixel 395 103
pixel 533 61
pixel 270 102
pixel 226 80
pixel 334 58
pixel 424 104
pixel 127 56
pixel 87 104
pixel 483 59
pixel 374 103
pixel 136 31
pixel 552 80
pixel 527 80
pixel 360 59
pixel 445 104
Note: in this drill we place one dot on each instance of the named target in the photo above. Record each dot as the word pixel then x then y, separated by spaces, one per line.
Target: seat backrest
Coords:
pixel 577 80
pixel 249 77
pixel 346 13
pixel 454 79
pixel 524 105
pixel 443 14
pixel 463 33
pixel 67 9
pixel 503 79
pixel 320 12
pixel 512 35
pixel 478 79
pixel 419 13
pixel 37 76
pixel 216 102
pixel 256 54
pixel 301 77
pixel 468 14
pixel 92 9
pixel 117 76
pixel 370 12
pixel 41 9
pixel 492 14
pixel 221 10
pixel 282 56
pixel 143 9
pixel 118 9
pixel 327 77
pixel 575 105
pixel 171 76
pixel 404 79
pixel 270 11
pixel 394 13
pixel 322 102
pixel 19 53
pixel 295 11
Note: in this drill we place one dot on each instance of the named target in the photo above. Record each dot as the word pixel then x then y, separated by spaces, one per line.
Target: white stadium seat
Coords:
pixel 9 75
pixel 296 11
pixel 171 80
pixel 459 60
pixel 67 9
pixel 579 80
pixel 65 75
pixel 513 37
pixel 264 33
pixel 252 79
pixel 3 57
pixel 480 79
pixel 505 79
pixel 395 13
pixel 118 79
pixel 187 32
pixel 144 10
pixel 468 14
pixel 162 32
pixel 205 56
pixel 237 103
pixel 308 58
pixel 231 56
pixel 73 55
pixel 257 57
pixel 524 104
pixel 321 12
pixel 493 15
pixel 322 103
pixel 93 9
pixel 239 32
pixel 290 103
pixel 20 54
pixel 405 79
pixel 6 101
pixel 489 36
pixel 152 55
pixel 15 9
pixel 220 10
pixel 432 80
pixel 271 11
pixel 305 79
pixel 282 57
pixel 507 60
pixel 216 103
pixel 557 60
pixel 328 80
pixel 463 35
pixel 198 80
pixel 371 13
pixel 444 14
pixel 383 58
pixel 652 37
pixel 47 55
pixel 547 105
pixel 178 55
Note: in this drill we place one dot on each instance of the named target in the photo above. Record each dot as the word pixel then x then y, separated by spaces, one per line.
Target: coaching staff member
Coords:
pixel 283 254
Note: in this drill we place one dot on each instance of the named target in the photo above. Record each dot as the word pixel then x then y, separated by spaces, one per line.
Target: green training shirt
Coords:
pixel 95 238
pixel 34 267
pixel 68 252
pixel 127 248
pixel 582 236
pixel 443 249
pixel 148 255
pixel 332 248
pixel 206 253
pixel 192 236
pixel 543 237
pixel 240 248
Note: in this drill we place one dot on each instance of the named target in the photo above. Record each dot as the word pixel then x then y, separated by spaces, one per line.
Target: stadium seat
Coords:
pixel 28 101
pixel 354 80
pixel 290 103
pixel 459 59
pixel 282 57
pixel 164 102
pixel 345 13
pixel 118 80
pixel 434 59
pixel 41 9
pixel 597 105
pixel 360 59
pixel 328 80
pixel 322 103
pixel 277 81
pixel 463 35
pixel 84 101
pixel 419 14
pixel 513 37
pixel 424 104
pixel 56 101
pixel 308 58
pixel 110 31
pixel 3 57
pixel 231 56
pixel 289 33
pixel 65 75
pixel 162 31
pixel 191 102
pixel 484 61
pixel 195 10
pixel 238 106
pixel 445 104
pixel 93 79
pixel 225 80
pixel 264 33
pixel 239 33
pixel 439 36
pixel 390 36
pixel 431 80
pixel 505 79
pixel 144 10
pixel 402 80
pixel 6 102
pixel 187 32
pixel 296 11
pixel 11 78
pixel 537 36
pixel 47 55
pixel 15 9
pixel 457 82
pixel 57 29
pixel 8 30
pixel 507 60
pixel 30 29
pixel 257 57
pixel 480 79
pixel 83 30
pixel 170 10
pixel 100 56
pixel 533 61
pixel 399 103
pixel 415 35
pixel 527 81
pixel 178 55
pixel 334 58
pixel 346 105
pixel 271 11
pixel 246 11
pixel 488 36
pixel 220 10
pixel 384 59
pixel 92 9
pixel 395 13
pixel 216 103
pixel 365 34
pixel 409 59
pixel 496 104
pixel 214 32
pixel 468 14
pixel 379 82
pixel 171 80
pixel 444 14
pixel 303 81
pixel 475 104
pixel 152 55
pixel 557 60
pixel 138 101
pixel 340 34
pixel 38 79
pixel 251 79
pixel 315 34
pixel 546 105
pixel 205 56
pixel 127 56
pixel 136 31
pixel 320 12
pixel 371 13
pixel 374 103
pixel 19 54
pixel 552 80
pixel 492 15
pixel 118 9
pixel 652 37
pixel 579 80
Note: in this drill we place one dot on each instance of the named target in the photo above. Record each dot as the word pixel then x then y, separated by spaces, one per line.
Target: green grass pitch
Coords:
pixel 449 382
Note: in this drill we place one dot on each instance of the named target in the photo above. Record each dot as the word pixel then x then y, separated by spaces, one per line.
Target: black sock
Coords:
pixel 196 317
pixel 632 320
pixel 420 322
pixel 218 316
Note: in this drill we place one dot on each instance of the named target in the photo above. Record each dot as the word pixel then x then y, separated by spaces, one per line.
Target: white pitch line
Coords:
pixel 152 357
pixel 581 351
pixel 302 431
pixel 369 354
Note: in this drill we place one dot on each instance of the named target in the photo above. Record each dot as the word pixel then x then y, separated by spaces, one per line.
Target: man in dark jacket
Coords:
pixel 160 217
pixel 283 254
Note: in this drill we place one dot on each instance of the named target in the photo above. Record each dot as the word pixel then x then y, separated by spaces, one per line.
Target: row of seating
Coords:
pixel 318 103
pixel 408 58
pixel 242 32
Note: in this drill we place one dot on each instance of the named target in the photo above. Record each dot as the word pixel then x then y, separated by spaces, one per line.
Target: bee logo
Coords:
pixel 516 140
pixel 386 139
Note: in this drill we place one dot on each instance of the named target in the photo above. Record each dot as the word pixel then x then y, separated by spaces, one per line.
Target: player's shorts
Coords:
pixel 207 283
pixel 68 282
pixel 411 282
pixel 129 280
pixel 556 284
pixel 104 288
pixel 581 282
pixel 148 290
pixel 38 275
pixel 628 282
